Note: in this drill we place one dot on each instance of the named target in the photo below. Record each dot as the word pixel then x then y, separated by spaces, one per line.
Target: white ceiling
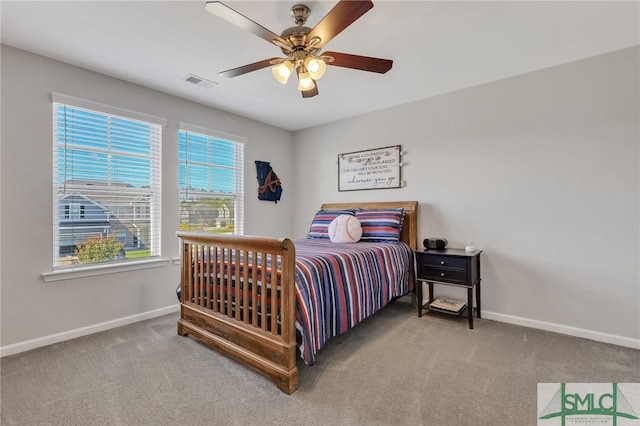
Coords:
pixel 437 47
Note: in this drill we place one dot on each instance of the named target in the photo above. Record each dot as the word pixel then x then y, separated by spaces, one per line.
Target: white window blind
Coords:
pixel 211 181
pixel 106 183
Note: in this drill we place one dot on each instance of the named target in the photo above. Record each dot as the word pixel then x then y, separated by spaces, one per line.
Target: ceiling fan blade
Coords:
pixel 340 17
pixel 311 92
pixel 364 63
pixel 236 18
pixel 234 72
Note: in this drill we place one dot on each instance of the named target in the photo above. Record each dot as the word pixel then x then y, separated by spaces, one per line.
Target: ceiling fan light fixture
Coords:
pixel 305 82
pixel 302 45
pixel 282 71
pixel 316 67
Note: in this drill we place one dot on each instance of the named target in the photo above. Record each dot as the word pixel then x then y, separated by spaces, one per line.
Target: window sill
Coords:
pixel 90 271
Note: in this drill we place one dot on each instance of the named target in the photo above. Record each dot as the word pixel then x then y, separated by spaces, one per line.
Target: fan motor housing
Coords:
pixel 297 36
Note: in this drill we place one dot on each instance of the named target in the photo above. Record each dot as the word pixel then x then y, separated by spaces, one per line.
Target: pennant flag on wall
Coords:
pixel 269 187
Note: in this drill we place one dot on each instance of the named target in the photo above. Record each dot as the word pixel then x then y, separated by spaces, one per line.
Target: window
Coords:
pixel 107 183
pixel 211 181
pixel 74 211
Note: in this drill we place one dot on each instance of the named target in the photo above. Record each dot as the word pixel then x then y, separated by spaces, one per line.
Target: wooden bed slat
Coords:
pixel 263 292
pixel 274 299
pixel 245 299
pixel 254 292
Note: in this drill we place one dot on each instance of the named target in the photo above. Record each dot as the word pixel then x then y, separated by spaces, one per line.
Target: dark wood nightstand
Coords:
pixel 455 267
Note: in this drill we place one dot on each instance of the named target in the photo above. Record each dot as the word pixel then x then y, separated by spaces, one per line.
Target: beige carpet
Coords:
pixel 394 369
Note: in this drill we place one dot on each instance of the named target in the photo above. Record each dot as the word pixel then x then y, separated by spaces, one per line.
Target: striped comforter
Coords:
pixel 339 285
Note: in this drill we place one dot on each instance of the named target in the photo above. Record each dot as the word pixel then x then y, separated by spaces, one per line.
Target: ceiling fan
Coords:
pixel 302 45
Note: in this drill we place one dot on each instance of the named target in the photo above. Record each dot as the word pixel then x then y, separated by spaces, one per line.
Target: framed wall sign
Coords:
pixel 372 169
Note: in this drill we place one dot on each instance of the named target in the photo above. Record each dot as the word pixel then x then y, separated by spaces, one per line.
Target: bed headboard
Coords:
pixel 409 232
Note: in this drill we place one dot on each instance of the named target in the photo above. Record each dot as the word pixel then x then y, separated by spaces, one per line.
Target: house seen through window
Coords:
pixel 211 181
pixel 107 183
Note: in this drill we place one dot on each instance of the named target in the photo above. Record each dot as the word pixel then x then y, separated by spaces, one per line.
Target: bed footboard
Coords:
pixel 238 297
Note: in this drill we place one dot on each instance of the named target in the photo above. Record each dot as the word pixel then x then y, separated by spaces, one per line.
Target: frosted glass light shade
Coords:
pixel 315 66
pixel 305 82
pixel 282 71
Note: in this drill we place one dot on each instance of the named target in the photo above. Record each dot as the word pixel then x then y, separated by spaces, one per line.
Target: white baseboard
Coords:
pixel 84 331
pixel 564 329
pixel 525 322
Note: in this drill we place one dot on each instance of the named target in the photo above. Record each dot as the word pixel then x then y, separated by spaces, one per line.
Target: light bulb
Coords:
pixel 282 71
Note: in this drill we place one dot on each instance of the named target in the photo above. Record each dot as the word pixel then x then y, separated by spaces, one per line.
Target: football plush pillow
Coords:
pixel 345 229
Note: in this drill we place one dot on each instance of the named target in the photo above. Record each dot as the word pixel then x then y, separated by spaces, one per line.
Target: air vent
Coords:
pixel 202 82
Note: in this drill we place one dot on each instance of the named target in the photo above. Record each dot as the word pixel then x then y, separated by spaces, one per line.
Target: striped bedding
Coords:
pixel 339 285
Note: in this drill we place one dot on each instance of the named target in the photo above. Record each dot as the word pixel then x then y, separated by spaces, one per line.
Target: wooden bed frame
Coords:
pixel 249 333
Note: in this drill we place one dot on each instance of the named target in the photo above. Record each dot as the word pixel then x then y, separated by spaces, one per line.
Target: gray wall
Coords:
pixel 541 171
pixel 40 312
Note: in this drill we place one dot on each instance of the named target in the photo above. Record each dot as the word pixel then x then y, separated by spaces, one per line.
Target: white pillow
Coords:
pixel 345 229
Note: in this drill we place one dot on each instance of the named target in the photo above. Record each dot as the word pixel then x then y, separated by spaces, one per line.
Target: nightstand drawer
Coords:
pixel 441 274
pixel 442 262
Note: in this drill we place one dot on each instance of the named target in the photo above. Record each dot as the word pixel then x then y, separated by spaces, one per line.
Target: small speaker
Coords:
pixel 435 243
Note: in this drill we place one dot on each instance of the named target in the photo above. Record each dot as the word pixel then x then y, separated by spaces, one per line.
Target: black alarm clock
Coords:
pixel 435 243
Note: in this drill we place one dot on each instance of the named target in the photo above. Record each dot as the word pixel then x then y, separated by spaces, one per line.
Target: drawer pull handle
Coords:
pixel 442 262
pixel 442 274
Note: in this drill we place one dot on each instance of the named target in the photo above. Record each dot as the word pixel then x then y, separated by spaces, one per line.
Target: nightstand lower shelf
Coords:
pixel 468 310
pixel 453 267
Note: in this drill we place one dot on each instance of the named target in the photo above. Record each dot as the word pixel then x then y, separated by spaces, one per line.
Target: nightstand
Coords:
pixel 455 267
